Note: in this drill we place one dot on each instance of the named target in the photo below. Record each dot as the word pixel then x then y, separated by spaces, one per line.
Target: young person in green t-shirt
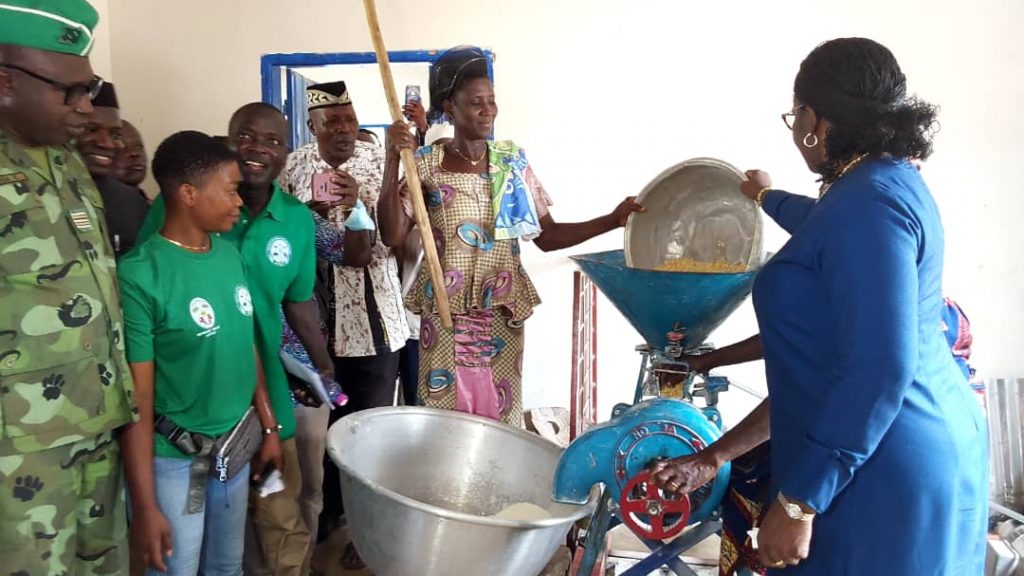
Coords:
pixel 191 346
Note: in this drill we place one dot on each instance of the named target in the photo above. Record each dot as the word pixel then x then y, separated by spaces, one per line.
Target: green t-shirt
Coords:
pixel 191 314
pixel 278 247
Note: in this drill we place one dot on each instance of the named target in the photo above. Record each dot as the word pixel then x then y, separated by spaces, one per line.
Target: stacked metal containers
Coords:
pixel 1004 402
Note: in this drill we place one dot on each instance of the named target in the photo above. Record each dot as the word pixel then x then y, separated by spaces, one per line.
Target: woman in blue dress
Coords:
pixel 879 463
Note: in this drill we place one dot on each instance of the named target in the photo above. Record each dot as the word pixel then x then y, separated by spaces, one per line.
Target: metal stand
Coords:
pixel 668 554
pixel 662 554
pixel 597 535
pixel 654 364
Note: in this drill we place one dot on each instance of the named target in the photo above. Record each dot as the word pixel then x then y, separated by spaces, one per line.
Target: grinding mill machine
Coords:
pixel 689 261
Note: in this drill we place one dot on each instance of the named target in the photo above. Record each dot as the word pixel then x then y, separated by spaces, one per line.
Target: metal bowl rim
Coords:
pixel 699 161
pixel 353 419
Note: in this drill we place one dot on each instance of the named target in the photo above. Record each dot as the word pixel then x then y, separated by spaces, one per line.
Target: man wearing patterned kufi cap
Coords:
pixel 369 317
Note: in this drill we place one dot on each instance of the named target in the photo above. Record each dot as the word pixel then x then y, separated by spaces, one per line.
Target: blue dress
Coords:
pixel 872 423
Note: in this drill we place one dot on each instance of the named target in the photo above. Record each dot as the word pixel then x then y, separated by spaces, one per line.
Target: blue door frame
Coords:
pixel 272 66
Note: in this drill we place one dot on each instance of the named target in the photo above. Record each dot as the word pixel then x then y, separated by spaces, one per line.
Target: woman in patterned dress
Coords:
pixel 482 198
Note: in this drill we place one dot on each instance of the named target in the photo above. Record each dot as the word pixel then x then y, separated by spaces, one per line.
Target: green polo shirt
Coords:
pixel 279 250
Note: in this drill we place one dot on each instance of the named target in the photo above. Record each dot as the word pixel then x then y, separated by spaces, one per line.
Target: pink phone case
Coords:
pixel 323 188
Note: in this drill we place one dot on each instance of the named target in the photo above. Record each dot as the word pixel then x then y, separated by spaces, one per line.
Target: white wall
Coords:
pixel 606 94
pixel 100 56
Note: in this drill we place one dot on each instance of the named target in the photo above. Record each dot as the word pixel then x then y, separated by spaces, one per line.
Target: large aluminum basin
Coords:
pixel 419 485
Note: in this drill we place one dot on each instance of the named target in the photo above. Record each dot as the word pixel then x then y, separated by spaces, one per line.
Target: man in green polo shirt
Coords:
pixel 65 386
pixel 277 242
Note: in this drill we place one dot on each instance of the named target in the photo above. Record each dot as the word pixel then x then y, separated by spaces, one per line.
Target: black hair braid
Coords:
pixel 857 85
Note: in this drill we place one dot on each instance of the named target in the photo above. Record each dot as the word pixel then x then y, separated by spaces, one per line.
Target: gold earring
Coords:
pixel 810 144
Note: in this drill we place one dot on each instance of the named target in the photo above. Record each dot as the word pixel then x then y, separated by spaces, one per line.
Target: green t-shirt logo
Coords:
pixel 203 315
pixel 243 300
pixel 279 251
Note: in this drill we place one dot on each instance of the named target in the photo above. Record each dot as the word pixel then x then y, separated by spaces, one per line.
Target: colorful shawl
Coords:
pixel 515 212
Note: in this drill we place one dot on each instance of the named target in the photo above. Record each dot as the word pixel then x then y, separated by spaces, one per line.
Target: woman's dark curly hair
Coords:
pixel 857 85
pixel 450 72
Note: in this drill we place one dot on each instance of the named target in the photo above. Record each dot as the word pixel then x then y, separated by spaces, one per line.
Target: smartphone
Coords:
pixel 412 93
pixel 323 188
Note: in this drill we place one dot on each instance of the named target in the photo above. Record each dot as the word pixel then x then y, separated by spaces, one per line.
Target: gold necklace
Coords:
pixel 186 246
pixel 849 166
pixel 473 162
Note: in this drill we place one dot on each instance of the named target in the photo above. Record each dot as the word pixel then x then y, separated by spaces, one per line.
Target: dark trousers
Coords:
pixel 369 382
pixel 409 371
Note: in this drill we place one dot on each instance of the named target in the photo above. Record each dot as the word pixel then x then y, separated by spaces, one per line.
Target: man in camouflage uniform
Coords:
pixel 64 383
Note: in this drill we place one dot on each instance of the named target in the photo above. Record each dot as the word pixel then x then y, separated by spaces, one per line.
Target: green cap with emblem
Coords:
pixel 54 25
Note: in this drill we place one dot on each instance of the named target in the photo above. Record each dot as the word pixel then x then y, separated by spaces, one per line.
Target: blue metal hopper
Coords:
pixel 658 303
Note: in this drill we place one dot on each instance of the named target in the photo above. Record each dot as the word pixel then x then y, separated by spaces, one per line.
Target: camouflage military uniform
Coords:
pixel 64 380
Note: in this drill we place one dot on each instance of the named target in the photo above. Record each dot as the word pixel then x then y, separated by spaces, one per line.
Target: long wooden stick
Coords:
pixel 412 178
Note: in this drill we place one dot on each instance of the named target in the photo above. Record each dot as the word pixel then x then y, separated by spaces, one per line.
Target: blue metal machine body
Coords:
pixel 616 451
pixel 657 304
pixel 675 312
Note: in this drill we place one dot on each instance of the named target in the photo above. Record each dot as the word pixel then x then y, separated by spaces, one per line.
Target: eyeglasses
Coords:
pixel 72 93
pixel 789 118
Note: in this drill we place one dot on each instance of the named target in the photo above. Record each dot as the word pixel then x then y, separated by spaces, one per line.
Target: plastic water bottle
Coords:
pixel 335 393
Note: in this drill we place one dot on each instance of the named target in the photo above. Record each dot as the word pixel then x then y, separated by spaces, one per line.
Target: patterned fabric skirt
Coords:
pixel 744 507
pixel 476 368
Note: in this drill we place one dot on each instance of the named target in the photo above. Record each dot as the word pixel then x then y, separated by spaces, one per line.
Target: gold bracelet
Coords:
pixel 760 195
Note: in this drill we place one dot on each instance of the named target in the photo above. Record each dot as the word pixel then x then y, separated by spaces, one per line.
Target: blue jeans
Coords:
pixel 213 539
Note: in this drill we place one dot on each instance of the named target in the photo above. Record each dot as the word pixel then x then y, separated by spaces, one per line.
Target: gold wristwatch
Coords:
pixel 794 511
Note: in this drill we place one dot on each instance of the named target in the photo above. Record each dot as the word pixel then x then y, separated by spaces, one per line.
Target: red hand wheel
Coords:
pixel 651 513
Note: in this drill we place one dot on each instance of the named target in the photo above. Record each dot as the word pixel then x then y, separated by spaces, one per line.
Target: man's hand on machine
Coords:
pixel 685 474
pixel 700 363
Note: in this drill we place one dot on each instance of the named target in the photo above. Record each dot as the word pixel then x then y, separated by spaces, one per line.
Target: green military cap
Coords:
pixel 54 25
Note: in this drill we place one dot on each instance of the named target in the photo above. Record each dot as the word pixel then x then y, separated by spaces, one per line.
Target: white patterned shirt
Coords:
pixel 353 324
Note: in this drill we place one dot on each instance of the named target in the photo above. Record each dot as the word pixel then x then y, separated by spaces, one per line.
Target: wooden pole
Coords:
pixel 412 178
